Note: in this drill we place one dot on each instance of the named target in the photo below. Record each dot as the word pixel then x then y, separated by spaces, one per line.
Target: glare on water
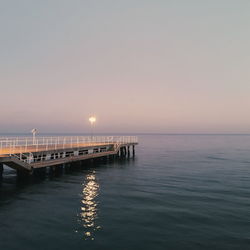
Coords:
pixel 89 206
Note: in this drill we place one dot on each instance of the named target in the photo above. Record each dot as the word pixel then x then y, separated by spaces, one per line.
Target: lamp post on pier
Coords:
pixel 92 121
pixel 34 131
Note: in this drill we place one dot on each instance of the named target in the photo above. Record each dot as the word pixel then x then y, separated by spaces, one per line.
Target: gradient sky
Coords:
pixel 140 66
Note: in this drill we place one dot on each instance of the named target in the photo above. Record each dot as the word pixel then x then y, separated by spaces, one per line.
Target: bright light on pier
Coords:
pixel 92 120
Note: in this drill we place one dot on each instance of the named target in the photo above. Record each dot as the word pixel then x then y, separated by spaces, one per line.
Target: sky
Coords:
pixel 139 66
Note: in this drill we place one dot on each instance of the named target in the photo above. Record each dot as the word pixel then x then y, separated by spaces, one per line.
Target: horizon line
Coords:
pixel 119 133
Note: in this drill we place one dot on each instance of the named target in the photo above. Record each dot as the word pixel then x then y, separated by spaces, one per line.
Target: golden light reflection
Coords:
pixel 89 207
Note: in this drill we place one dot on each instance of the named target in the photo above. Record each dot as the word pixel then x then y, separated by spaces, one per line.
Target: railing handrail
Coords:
pixel 17 140
pixel 23 143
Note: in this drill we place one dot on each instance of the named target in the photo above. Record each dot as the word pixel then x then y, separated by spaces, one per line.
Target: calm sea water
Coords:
pixel 180 192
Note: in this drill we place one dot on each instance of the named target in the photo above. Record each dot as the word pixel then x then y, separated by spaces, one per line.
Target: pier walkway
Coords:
pixel 27 154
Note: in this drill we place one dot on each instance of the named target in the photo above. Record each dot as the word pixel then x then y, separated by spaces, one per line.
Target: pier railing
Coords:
pixel 25 144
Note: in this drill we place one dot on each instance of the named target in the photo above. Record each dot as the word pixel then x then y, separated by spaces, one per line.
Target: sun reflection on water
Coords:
pixel 89 208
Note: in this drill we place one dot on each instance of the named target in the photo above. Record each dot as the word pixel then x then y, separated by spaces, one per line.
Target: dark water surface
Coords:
pixel 180 192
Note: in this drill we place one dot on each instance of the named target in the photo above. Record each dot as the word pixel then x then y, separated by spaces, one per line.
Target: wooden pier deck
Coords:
pixel 27 154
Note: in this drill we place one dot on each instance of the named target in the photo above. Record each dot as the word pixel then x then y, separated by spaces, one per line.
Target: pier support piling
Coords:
pixel 40 172
pixel 1 171
pixel 67 168
pixel 123 152
pixel 52 170
pixel 21 174
pixel 128 150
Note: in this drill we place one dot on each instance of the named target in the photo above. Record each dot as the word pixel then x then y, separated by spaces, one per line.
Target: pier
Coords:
pixel 27 154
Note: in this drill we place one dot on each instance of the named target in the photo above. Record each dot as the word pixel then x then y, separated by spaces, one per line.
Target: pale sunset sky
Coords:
pixel 159 66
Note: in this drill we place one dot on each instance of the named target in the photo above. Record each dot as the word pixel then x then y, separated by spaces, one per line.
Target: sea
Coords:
pixel 178 192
